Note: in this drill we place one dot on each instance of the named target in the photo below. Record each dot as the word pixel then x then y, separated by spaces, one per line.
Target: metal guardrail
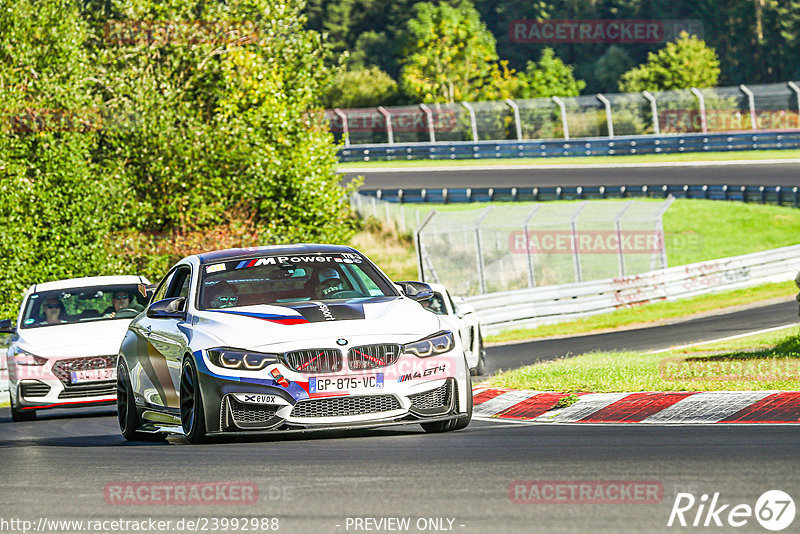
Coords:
pixel 590 146
pixel 552 304
pixel 759 194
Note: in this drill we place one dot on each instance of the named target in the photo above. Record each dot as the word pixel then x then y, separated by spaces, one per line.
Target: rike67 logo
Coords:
pixel 774 510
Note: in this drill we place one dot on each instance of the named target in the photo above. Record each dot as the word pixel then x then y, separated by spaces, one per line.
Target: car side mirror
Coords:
pixel 7 327
pixel 464 309
pixel 416 290
pixel 167 309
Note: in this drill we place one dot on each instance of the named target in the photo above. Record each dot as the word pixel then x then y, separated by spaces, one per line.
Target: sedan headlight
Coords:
pixel 242 360
pixel 438 343
pixel 26 358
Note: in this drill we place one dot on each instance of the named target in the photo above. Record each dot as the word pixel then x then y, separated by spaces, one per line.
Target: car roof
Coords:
pixel 88 281
pixel 299 248
pixel 439 288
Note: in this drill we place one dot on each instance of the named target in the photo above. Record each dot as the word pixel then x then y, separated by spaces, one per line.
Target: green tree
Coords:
pixel 449 54
pixel 610 67
pixel 223 125
pixel 549 77
pixel 361 88
pixel 688 62
pixel 55 206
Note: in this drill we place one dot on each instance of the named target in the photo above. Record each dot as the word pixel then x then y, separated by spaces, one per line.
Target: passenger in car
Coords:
pixel 54 312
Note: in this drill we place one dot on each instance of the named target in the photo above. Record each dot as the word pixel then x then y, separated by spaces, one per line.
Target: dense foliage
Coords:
pixel 139 131
pixel 755 41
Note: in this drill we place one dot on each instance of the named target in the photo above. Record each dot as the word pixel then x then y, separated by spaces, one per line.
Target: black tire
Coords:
pixel 480 369
pixel 453 424
pixel 192 415
pixel 127 416
pixel 18 415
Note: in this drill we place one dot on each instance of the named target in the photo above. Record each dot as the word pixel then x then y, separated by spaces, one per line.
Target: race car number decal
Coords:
pixel 346 383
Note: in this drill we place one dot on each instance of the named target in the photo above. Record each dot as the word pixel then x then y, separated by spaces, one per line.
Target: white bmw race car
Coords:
pixel 288 338
pixel 64 343
pixel 462 319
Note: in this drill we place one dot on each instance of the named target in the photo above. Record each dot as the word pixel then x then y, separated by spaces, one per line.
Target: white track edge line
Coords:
pixel 737 336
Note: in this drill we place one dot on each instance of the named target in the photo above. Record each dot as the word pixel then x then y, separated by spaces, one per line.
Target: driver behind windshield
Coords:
pixel 329 282
pixel 223 295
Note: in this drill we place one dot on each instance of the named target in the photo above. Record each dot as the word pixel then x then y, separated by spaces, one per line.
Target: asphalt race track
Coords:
pixel 61 466
pixel 755 173
pixel 58 469
pixel 511 356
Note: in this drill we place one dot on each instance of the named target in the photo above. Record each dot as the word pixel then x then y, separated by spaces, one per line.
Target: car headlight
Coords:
pixel 438 343
pixel 26 358
pixel 240 359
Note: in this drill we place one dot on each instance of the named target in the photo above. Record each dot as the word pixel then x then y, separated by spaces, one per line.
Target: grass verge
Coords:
pixel 651 313
pixel 768 361
pixel 750 155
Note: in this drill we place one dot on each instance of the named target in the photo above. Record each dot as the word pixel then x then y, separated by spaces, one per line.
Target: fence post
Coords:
pixel 389 130
pixel 472 121
pixel 429 118
pixel 517 121
pixel 345 129
pixel 609 120
pixel 793 87
pixel 653 110
pixel 479 251
pixel 576 260
pixel 701 101
pixel 418 243
pixel 660 217
pixel 751 100
pixel 618 229
pixel 563 109
pixel 531 275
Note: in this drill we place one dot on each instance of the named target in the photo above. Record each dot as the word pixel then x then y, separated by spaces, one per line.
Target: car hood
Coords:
pixel 98 338
pixel 260 326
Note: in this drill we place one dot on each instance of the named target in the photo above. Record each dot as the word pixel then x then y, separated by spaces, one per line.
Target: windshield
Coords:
pixel 278 279
pixel 82 305
pixel 435 304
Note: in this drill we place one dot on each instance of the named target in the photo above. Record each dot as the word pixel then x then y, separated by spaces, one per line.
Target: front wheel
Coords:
pixel 192 416
pixel 453 424
pixel 18 415
pixel 480 369
pixel 127 416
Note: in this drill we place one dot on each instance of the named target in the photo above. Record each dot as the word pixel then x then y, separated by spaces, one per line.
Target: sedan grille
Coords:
pixel 106 388
pixel 372 356
pixel 314 360
pixel 251 415
pixel 344 406
pixel 62 368
pixel 435 398
pixel 34 388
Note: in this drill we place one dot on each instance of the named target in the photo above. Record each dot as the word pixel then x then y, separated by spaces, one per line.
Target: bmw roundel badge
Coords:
pixel 341 341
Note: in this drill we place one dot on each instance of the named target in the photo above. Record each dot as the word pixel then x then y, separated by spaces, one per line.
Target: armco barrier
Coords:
pixel 783 196
pixel 552 304
pixel 590 146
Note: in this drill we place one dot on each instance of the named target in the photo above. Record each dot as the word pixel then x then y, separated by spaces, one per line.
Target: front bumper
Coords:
pixel 238 405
